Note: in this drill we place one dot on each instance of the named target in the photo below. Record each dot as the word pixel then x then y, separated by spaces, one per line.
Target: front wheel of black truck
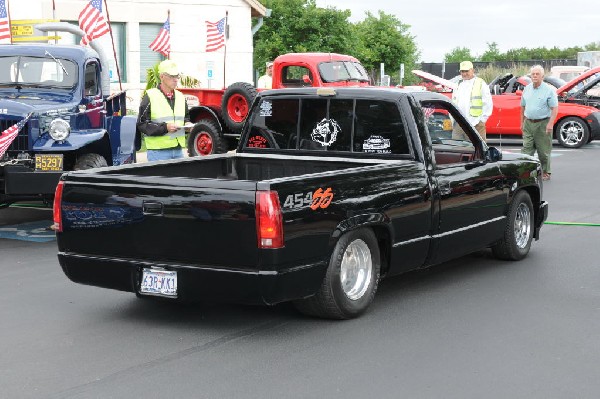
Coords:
pixel 518 232
pixel 351 280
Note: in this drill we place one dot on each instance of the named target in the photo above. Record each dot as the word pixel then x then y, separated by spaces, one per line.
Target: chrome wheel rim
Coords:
pixel 571 133
pixel 356 269
pixel 522 225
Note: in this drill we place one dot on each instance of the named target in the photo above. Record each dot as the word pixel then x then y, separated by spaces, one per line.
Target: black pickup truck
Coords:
pixel 329 191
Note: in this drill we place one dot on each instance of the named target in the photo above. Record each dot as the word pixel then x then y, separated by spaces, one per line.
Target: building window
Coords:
pixel 118 34
pixel 148 58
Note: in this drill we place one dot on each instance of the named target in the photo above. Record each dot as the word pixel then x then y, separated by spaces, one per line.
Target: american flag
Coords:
pixel 5 36
pixel 162 43
pixel 215 35
pixel 92 22
pixel 7 136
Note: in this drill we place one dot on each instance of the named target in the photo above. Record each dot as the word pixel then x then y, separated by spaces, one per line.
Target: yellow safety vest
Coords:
pixel 476 108
pixel 161 112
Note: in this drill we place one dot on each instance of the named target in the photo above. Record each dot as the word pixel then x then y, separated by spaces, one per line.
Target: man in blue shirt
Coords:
pixel 539 107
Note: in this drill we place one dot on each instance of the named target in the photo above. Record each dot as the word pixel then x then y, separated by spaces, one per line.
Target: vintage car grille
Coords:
pixel 21 142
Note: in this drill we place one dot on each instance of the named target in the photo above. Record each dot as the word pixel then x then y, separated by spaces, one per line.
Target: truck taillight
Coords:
pixel 269 222
pixel 56 208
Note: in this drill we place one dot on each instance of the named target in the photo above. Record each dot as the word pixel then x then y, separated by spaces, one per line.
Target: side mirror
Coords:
pixel 519 92
pixel 493 154
pixel 306 79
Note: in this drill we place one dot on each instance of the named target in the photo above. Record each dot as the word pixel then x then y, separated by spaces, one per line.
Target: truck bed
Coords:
pixel 153 209
pixel 238 167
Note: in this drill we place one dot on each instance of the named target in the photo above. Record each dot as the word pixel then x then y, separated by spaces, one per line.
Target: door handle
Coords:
pixel 152 208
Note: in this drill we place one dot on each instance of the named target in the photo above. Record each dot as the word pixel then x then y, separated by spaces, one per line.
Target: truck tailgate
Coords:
pixel 157 219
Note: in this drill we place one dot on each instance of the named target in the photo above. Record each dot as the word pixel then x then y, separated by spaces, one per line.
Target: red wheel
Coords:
pixel 205 139
pixel 237 108
pixel 203 143
pixel 235 105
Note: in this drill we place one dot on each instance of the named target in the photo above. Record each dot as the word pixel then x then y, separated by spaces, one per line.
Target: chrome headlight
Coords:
pixel 59 129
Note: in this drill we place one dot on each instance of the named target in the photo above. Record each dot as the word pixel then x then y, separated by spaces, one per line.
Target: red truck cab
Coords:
pixel 318 70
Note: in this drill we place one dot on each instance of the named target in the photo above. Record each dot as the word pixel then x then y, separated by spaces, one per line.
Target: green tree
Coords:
pixel 492 53
pixel 458 54
pixel 301 26
pixel 384 38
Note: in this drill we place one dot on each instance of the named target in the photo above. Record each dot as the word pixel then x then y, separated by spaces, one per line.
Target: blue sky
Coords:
pixel 439 26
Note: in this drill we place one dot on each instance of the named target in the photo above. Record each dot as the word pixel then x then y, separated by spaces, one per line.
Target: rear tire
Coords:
pixel 351 279
pixel 518 232
pixel 90 161
pixel 236 104
pixel 204 139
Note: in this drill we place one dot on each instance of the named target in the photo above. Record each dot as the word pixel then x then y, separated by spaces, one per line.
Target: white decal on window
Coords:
pixel 326 131
pixel 377 144
pixel 266 108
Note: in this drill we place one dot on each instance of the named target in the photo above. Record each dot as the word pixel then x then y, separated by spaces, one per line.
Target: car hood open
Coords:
pixel 435 79
pixel 572 83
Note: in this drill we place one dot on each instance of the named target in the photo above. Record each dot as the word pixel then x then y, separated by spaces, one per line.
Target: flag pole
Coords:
pixel 54 17
pixel 169 19
pixel 9 19
pixel 113 45
pixel 226 34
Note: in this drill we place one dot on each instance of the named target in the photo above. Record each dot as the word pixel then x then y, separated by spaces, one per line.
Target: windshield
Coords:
pixel 341 71
pixel 56 73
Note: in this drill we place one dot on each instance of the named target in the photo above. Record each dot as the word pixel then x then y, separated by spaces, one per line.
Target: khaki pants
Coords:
pixel 459 134
pixel 536 138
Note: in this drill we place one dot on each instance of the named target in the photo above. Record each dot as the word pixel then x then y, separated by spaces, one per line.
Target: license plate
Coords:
pixel 447 124
pixel 49 162
pixel 159 282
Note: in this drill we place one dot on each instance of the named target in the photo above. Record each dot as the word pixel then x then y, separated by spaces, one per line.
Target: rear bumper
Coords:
pixel 594 121
pixel 196 283
pixel 20 181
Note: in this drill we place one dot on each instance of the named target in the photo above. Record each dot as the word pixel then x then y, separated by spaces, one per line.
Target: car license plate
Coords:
pixel 447 124
pixel 49 162
pixel 159 282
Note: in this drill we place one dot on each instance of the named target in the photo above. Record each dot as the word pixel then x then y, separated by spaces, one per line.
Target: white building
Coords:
pixel 135 24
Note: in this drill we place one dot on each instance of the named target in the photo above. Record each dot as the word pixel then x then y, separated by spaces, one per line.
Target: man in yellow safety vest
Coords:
pixel 473 99
pixel 162 116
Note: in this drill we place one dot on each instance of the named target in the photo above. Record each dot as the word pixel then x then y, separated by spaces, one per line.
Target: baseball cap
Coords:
pixel 465 66
pixel 168 67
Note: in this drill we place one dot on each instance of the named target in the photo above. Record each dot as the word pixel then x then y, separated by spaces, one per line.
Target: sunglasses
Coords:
pixel 173 76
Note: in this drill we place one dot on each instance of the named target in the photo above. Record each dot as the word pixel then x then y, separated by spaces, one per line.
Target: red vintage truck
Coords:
pixel 218 114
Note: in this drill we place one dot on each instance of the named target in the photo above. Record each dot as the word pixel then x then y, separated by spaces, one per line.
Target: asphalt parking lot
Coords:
pixel 475 327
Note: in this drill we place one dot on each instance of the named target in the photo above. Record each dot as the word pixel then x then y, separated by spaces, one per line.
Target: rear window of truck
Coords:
pixel 361 126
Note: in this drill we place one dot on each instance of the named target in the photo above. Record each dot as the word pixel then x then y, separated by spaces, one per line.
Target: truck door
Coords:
pixel 92 96
pixel 472 198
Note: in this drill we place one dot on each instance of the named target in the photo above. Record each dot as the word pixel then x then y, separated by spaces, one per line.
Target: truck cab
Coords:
pixel 68 122
pixel 318 70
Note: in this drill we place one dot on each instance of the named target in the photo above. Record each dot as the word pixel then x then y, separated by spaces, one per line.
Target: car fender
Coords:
pixel 77 139
pixel 130 140
pixel 202 112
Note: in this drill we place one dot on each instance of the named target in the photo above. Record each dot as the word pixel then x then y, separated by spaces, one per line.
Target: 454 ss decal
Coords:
pixel 318 199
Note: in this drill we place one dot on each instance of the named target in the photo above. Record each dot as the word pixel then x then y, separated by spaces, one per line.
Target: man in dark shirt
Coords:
pixel 162 116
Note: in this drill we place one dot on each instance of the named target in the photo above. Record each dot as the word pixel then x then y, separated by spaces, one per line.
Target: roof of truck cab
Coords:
pixel 68 51
pixel 314 57
pixel 371 92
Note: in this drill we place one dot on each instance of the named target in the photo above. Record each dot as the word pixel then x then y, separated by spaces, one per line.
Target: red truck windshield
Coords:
pixel 341 71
